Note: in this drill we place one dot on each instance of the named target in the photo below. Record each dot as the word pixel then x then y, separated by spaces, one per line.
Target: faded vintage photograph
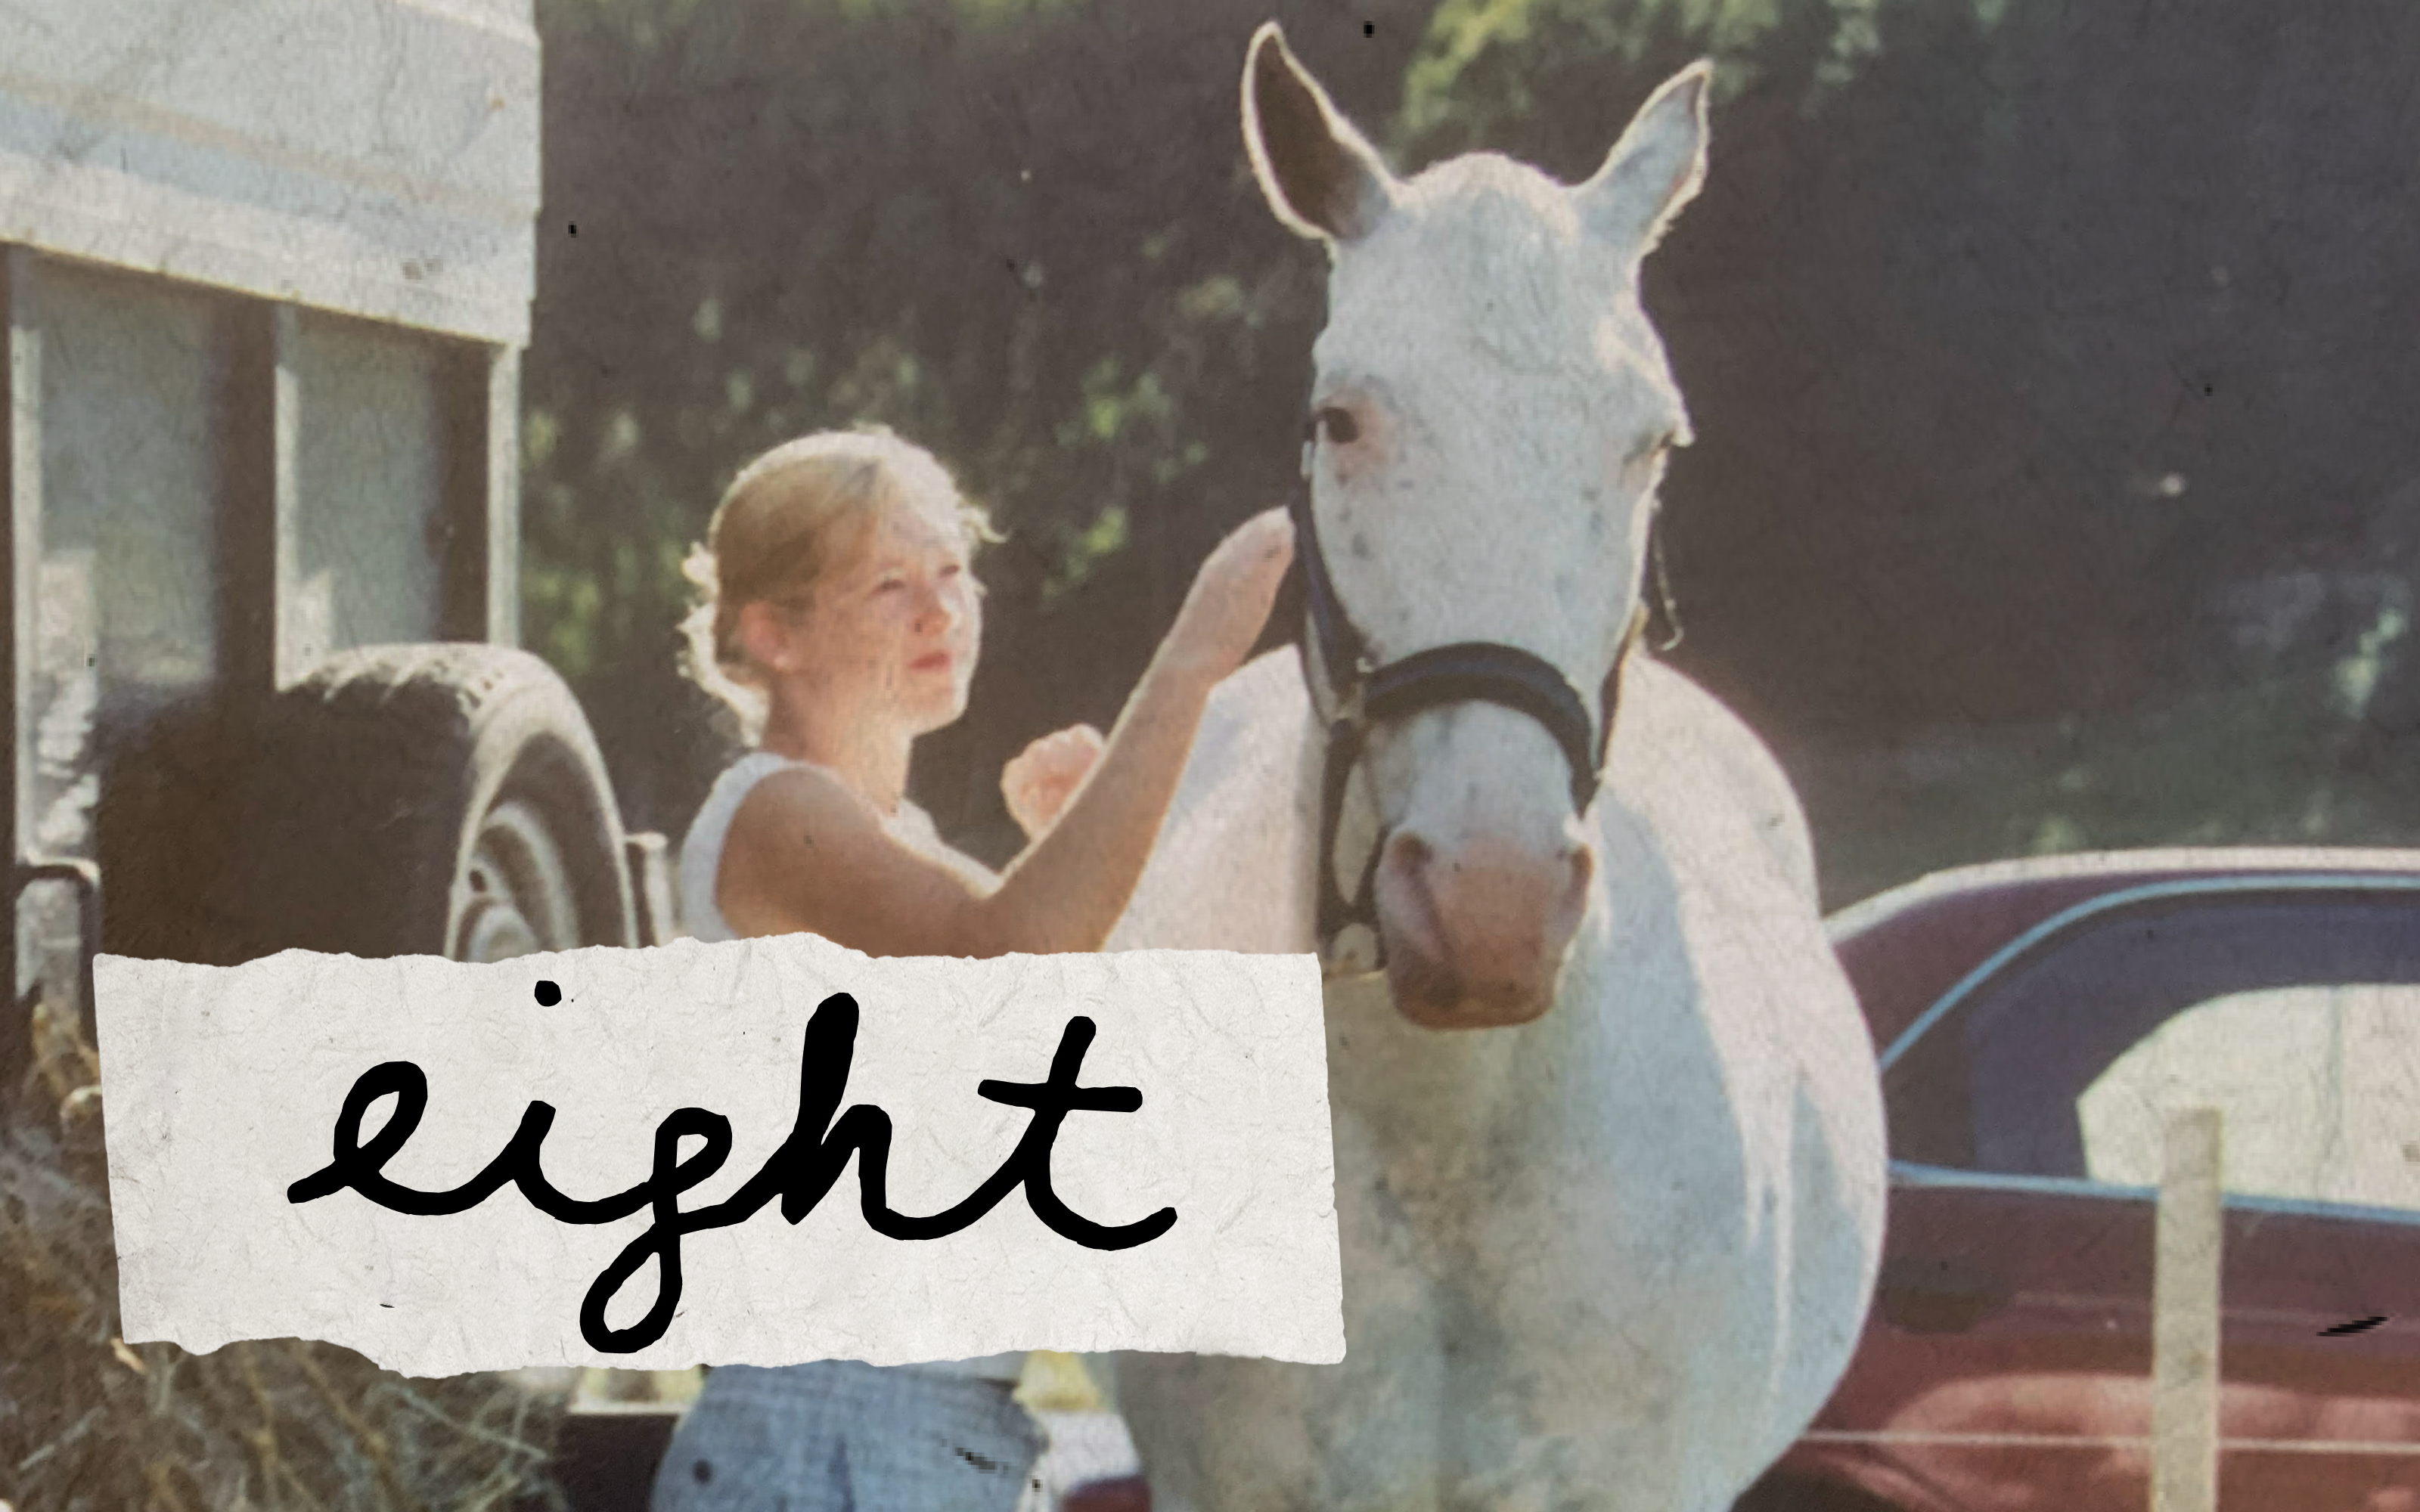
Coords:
pixel 1809 604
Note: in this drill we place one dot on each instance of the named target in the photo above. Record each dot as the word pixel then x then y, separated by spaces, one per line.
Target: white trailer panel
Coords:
pixel 378 158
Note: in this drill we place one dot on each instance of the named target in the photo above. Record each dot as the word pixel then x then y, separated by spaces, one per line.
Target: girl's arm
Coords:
pixel 807 854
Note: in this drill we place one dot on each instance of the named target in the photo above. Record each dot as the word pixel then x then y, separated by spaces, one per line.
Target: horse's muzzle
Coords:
pixel 1475 937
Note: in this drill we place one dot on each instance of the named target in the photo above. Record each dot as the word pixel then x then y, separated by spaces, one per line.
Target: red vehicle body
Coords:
pixel 2007 1362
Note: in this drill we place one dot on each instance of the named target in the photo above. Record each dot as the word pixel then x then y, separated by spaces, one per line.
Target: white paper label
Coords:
pixel 588 1094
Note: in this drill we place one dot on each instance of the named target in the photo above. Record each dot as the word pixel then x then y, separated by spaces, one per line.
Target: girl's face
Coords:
pixel 896 634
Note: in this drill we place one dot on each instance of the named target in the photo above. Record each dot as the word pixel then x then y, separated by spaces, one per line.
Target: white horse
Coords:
pixel 1608 1134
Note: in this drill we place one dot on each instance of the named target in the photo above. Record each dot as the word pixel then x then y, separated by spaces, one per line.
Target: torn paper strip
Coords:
pixel 251 1202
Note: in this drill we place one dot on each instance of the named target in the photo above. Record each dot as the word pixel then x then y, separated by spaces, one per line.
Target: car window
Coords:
pixel 2316 1086
pixel 2037 1070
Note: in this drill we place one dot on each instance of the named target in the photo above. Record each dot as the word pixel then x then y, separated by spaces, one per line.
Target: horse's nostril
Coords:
pixel 1407 885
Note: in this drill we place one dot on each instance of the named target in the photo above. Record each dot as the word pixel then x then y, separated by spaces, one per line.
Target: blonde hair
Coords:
pixel 797 513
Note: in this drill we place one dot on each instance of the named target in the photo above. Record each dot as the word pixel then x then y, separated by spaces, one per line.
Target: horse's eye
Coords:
pixel 1337 425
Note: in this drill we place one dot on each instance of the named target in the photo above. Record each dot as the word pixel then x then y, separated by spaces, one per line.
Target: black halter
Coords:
pixel 1336 661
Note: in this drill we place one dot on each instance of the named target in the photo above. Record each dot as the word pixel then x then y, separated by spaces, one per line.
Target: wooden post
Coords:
pixel 2185 1315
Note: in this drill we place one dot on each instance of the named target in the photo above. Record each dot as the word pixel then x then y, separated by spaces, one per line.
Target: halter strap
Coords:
pixel 1483 671
pixel 1333 637
pixel 1464 672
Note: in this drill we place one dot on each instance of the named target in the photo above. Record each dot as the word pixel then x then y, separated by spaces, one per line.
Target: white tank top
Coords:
pixel 701 865
pixel 701 859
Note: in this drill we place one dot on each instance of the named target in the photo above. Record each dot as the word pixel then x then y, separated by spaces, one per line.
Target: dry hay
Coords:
pixel 90 1424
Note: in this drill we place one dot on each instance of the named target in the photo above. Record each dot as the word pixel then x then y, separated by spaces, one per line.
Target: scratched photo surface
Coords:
pixel 1993 416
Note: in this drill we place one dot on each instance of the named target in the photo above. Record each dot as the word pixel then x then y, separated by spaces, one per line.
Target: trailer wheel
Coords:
pixel 433 800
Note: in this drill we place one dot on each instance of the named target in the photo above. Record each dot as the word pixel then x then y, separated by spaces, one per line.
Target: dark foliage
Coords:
pixel 2035 349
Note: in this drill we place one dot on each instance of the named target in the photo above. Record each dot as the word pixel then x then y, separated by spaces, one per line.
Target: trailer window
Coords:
pixel 126 615
pixel 2294 1012
pixel 131 374
pixel 371 473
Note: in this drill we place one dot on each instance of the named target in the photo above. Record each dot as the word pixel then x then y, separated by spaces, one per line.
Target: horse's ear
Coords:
pixel 1655 169
pixel 1322 178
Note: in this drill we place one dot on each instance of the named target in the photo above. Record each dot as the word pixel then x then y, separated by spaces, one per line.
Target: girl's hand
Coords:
pixel 1038 783
pixel 1231 595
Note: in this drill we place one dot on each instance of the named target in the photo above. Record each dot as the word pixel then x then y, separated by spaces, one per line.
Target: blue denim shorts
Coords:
pixel 841 1436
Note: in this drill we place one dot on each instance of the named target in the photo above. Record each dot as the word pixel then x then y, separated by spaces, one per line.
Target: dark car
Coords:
pixel 2034 1021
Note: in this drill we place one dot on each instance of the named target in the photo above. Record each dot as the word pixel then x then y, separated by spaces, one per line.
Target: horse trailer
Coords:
pixel 266 273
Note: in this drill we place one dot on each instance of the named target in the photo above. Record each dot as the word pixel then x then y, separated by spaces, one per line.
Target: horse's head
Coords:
pixel 1489 423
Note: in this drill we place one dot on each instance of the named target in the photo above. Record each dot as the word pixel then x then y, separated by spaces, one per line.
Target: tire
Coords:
pixel 439 800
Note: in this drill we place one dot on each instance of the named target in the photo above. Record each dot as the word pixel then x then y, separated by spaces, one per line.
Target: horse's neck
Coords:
pixel 1719 803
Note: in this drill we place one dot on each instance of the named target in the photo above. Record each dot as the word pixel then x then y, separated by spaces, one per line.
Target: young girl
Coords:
pixel 840 621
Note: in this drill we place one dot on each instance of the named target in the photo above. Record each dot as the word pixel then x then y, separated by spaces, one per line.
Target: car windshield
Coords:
pixel 2297 1015
pixel 2314 1085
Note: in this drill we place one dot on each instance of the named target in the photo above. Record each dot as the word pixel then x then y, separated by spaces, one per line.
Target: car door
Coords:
pixel 2007 1360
